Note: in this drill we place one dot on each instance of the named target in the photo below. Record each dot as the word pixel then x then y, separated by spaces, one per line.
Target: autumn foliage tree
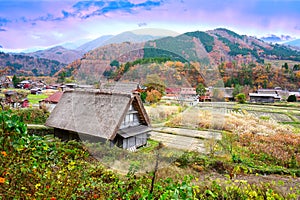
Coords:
pixel 258 75
pixel 153 96
pixel 154 82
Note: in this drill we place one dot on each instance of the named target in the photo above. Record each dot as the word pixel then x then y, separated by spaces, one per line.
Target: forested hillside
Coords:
pixel 58 53
pixel 27 65
pixel 220 49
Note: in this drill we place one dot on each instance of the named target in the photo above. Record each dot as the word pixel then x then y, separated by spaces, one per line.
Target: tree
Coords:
pixel 241 98
pixel 127 66
pixel 237 89
pixel 296 67
pixel 115 63
pixel 292 98
pixel 154 82
pixel 15 80
pixel 153 96
pixel 35 71
pixel 143 96
pixel 285 66
pixel 200 89
pixel 61 77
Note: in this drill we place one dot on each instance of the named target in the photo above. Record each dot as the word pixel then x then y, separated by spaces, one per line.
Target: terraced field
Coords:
pixel 192 127
pixel 179 138
pixel 276 113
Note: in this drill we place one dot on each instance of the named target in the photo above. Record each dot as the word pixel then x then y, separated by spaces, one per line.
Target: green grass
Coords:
pixel 151 145
pixel 264 117
pixel 34 99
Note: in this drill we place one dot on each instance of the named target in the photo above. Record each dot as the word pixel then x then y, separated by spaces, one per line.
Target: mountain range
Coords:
pixel 11 64
pixel 208 48
pixel 295 43
pixel 68 52
pixel 58 53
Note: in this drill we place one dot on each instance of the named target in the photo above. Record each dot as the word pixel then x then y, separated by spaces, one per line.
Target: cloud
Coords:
pixel 48 17
pixel 3 21
pixel 142 24
pixel 83 5
pixel 87 9
pixel 2 30
pixel 297 27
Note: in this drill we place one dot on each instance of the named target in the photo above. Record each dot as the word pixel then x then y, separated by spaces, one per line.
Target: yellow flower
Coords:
pixel 2 180
pixel 37 185
pixel 4 153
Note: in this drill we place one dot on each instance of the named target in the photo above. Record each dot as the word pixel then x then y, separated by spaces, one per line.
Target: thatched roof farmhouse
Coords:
pixel 101 116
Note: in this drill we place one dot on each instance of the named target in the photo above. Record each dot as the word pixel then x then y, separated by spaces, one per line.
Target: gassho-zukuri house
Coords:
pixel 97 116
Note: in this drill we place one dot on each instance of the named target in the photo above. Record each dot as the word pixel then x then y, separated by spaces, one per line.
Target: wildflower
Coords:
pixel 53 198
pixel 2 180
pixel 4 153
pixel 37 185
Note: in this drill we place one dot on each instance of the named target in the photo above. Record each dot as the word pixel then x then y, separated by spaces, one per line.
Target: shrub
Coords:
pixel 292 98
pixel 241 98
pixel 32 115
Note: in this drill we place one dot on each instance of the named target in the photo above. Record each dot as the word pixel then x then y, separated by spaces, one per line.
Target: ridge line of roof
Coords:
pixel 98 92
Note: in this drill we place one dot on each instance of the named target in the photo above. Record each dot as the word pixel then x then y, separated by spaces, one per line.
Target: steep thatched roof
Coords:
pixel 94 113
pixel 119 87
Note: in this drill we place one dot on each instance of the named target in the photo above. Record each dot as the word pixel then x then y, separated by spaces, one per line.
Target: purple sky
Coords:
pixel 43 23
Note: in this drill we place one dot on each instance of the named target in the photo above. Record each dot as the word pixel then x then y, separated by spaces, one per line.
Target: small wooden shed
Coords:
pixel 97 116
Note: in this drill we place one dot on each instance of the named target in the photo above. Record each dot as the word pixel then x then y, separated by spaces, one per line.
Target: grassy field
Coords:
pixel 35 98
pixel 32 98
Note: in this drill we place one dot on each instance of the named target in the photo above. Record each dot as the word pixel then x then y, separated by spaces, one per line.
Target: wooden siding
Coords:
pixel 262 99
pixel 135 141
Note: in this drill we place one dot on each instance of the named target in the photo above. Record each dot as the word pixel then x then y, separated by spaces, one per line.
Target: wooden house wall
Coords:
pixel 262 99
pixel 132 118
pixel 135 141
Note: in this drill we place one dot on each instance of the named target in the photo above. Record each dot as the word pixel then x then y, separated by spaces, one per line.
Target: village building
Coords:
pixel 51 101
pixel 15 99
pixel 118 118
pixel 172 91
pixel 6 82
pixel 206 97
pixel 220 94
pixel 188 92
pixel 263 97
pixel 25 84
pixel 35 91
pixel 277 91
pixel 297 95
pixel 183 95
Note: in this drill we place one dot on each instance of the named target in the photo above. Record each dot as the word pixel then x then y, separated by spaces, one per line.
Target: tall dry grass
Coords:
pixel 233 122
